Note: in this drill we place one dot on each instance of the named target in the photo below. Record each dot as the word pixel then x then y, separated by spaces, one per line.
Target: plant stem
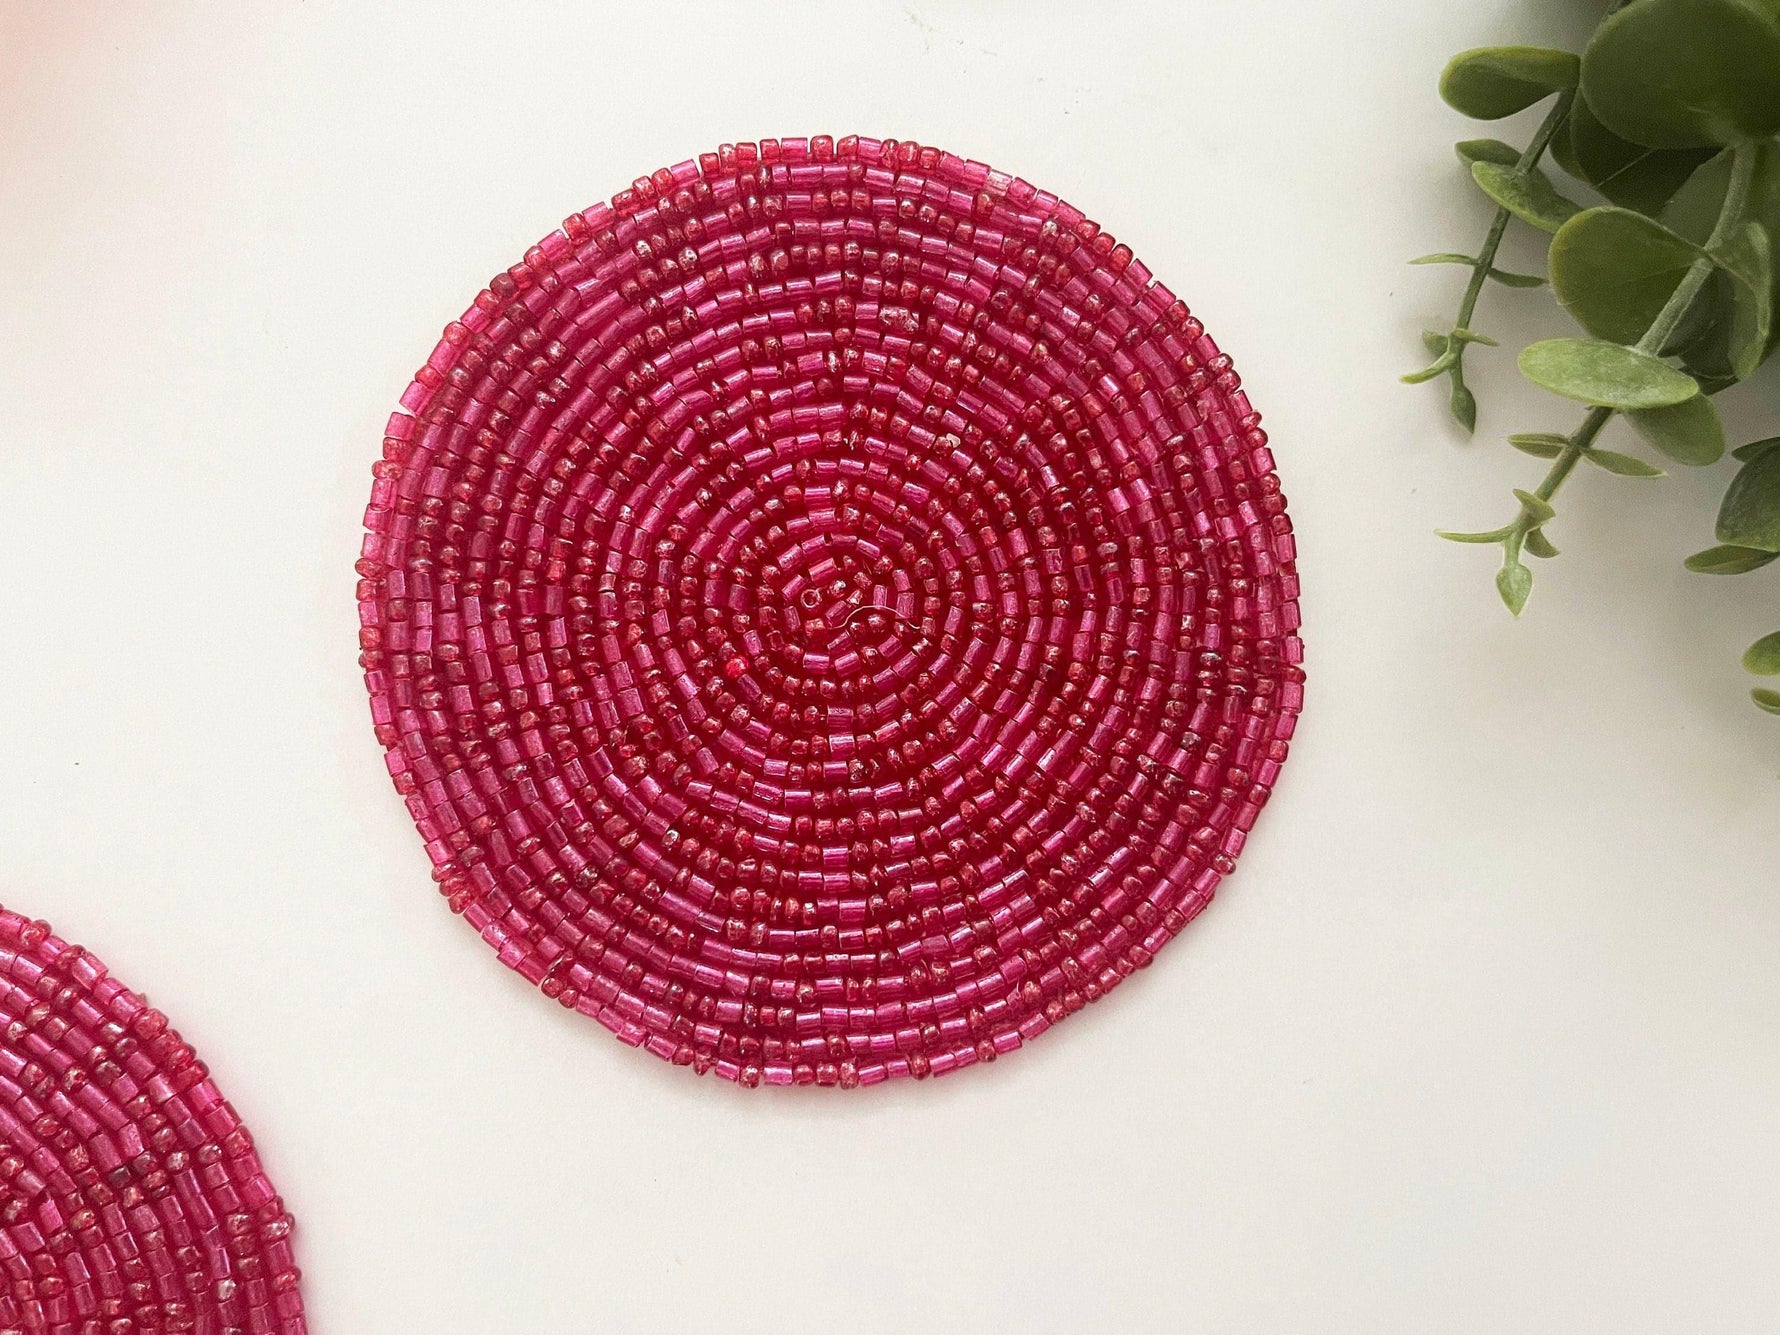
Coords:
pixel 1492 242
pixel 1547 129
pixel 1561 467
pixel 1580 440
pixel 1730 218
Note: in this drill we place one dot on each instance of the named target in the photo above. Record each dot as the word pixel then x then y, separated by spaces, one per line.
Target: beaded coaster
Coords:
pixel 830 612
pixel 131 1198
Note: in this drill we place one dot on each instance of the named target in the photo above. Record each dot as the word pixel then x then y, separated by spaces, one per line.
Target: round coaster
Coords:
pixel 131 1198
pixel 830 613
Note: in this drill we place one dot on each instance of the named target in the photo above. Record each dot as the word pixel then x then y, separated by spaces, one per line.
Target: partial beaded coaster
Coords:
pixel 830 613
pixel 131 1198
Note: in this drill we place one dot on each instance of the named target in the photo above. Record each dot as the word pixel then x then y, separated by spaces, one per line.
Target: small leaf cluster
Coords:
pixel 1670 119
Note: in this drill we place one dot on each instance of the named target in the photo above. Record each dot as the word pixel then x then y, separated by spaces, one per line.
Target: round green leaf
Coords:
pixel 1615 270
pixel 1763 657
pixel 1695 207
pixel 1706 355
pixel 1491 82
pixel 1693 210
pixel 1688 432
pixel 1529 195
pixel 1746 258
pixel 1686 73
pixel 1750 513
pixel 1729 560
pixel 1755 447
pixel 1766 699
pixel 1698 325
pixel 1604 374
pixel 1629 174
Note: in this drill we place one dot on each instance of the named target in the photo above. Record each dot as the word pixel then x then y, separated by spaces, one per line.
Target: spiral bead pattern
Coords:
pixel 131 1197
pixel 830 613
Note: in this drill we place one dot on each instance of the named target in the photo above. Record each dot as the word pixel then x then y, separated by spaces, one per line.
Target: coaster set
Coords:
pixel 830 613
pixel 131 1198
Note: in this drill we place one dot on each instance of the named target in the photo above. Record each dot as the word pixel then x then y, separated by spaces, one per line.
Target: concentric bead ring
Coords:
pixel 131 1197
pixel 830 612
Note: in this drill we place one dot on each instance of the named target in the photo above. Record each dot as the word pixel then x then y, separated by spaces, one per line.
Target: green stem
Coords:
pixel 1492 241
pixel 1580 439
pixel 1486 257
pixel 1730 218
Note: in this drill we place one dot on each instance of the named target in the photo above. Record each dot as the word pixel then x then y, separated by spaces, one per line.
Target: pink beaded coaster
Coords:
pixel 830 613
pixel 131 1198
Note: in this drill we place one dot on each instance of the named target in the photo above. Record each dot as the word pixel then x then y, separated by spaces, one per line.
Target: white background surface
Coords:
pixel 1481 1036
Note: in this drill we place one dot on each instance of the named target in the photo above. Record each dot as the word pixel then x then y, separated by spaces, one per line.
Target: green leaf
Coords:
pixel 1491 82
pixel 1514 582
pixel 1486 150
pixel 1763 657
pixel 1766 699
pixel 1615 270
pixel 1462 403
pixel 1539 444
pixel 1686 73
pixel 1688 432
pixel 1447 257
pixel 1749 516
pixel 1434 343
pixel 1604 374
pixel 1706 355
pixel 1623 464
pixel 1734 307
pixel 1694 210
pixel 1746 258
pixel 1728 560
pixel 1628 174
pixel 1697 327
pixel 1536 507
pixel 1494 535
pixel 1439 366
pixel 1529 195
pixel 1537 544
pixel 1709 383
pixel 1755 448
pixel 1509 279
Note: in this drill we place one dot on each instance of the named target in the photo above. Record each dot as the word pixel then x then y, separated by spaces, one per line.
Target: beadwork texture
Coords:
pixel 131 1198
pixel 830 613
